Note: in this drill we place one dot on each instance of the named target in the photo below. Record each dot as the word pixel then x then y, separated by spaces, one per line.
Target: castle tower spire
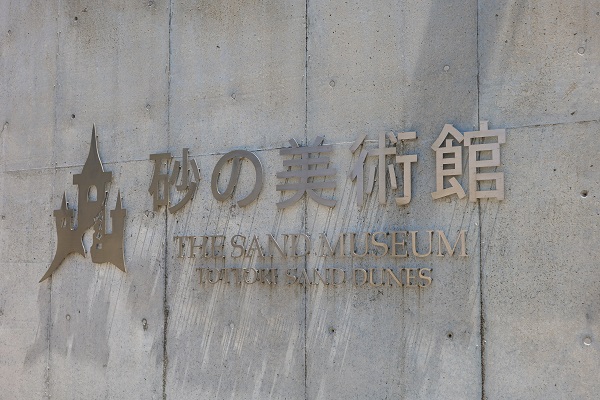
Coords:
pixel 63 206
pixel 93 161
pixel 68 239
pixel 92 182
pixel 108 247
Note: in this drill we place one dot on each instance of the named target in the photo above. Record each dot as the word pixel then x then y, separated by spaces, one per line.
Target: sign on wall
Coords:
pixel 306 171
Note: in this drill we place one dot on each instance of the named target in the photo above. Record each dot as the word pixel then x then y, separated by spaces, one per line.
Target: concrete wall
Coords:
pixel 517 318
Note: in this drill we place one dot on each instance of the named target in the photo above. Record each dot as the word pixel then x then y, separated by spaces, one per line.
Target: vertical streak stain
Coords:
pixel 481 295
pixel 56 86
pixel 166 244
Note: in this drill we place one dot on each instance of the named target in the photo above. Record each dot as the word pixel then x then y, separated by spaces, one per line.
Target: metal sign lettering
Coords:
pixel 159 187
pixel 305 172
pixel 237 156
pixel 314 163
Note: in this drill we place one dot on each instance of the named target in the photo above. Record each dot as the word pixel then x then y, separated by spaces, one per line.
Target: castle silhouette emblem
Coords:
pixel 92 196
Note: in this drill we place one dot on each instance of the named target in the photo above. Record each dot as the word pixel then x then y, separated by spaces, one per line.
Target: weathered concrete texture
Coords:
pixel 105 322
pixel 24 304
pixel 539 61
pixel 232 340
pixel 113 71
pixel 160 76
pixel 539 64
pixel 372 69
pixel 539 252
pixel 237 71
pixel 413 338
pixel 379 66
pixel 26 106
pixel 237 82
pixel 28 45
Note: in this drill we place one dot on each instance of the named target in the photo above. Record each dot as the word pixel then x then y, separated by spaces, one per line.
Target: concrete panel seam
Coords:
pixel 166 276
pixel 55 128
pixel 590 121
pixel 62 167
pixel 481 299
pixel 305 203
pixel 49 334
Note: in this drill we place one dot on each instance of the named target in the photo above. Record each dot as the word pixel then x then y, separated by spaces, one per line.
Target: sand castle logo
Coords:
pixel 92 187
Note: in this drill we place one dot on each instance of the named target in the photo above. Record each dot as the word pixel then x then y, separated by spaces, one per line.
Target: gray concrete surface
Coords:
pixel 377 68
pixel 541 290
pixel 516 319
